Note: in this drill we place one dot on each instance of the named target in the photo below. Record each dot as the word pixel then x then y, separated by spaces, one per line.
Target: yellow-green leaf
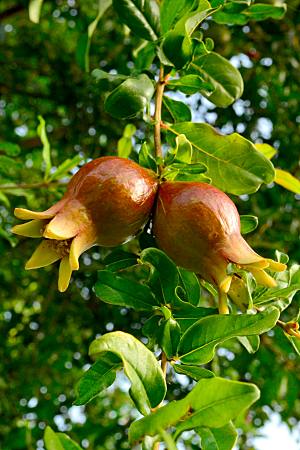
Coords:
pixel 286 180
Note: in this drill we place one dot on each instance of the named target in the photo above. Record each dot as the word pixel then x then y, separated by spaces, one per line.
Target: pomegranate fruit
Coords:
pixel 198 226
pixel 106 203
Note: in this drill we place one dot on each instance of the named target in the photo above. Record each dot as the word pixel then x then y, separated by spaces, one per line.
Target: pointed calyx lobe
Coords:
pixel 106 203
pixel 198 226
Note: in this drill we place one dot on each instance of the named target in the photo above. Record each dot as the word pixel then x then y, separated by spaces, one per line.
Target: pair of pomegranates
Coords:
pixel 110 199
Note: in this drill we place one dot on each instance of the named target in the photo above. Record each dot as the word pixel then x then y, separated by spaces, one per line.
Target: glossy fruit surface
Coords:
pixel 198 226
pixel 106 203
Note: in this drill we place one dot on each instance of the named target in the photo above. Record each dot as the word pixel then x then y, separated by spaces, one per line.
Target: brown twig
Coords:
pixel 157 114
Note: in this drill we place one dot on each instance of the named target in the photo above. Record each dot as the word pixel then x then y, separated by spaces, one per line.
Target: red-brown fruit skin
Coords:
pixel 117 194
pixel 193 223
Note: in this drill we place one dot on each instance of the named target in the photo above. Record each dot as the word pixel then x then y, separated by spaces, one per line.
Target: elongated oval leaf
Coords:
pixel 99 377
pixel 148 386
pixel 287 180
pixel 198 343
pixel 175 111
pixel 216 401
pixel 212 403
pixel 221 75
pixel 171 10
pixel 141 16
pixel 59 441
pixel 116 290
pixel 190 84
pixel 193 371
pixel 223 438
pixel 35 7
pixel 248 223
pixel 130 97
pixel 166 270
pixel 233 163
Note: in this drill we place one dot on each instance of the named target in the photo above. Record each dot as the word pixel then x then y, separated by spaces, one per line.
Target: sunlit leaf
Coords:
pixel 59 441
pixel 41 130
pixel 35 7
pixel 212 403
pixel 223 438
pixel 148 386
pixel 198 343
pixel 287 180
pixel 233 163
pixel 221 75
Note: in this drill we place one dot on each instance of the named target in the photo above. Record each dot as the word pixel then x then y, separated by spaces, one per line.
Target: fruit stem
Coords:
pixel 223 306
pixel 157 114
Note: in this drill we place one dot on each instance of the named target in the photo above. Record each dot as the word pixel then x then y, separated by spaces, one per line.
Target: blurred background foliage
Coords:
pixel 45 334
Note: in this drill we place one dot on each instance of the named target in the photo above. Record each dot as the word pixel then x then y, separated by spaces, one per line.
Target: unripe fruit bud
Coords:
pixel 106 203
pixel 198 226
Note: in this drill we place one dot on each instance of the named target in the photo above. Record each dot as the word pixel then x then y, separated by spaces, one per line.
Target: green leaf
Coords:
pixel 166 271
pixel 41 131
pixel 286 180
pixel 191 286
pixel 216 401
pixel 148 386
pixel 190 84
pixel 248 223
pixel 276 294
pixel 99 377
pixel 141 16
pixel 261 11
pixel 85 40
pixel 58 441
pixel 110 78
pixel 225 79
pixel 238 13
pixel 35 7
pixel 169 337
pixel 223 438
pixel 116 290
pixel 187 314
pixel 144 56
pixel 186 172
pixel 213 402
pixel 175 111
pixel 125 143
pixel 178 45
pixel 64 168
pixel 172 10
pixel 198 343
pixel 266 150
pixel 251 343
pixel 233 163
pixel 118 260
pixel 193 371
pixel 10 149
pixel 146 158
pixel 130 97
pixel 184 151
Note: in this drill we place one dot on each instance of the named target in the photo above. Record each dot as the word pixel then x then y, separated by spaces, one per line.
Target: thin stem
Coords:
pixel 157 114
